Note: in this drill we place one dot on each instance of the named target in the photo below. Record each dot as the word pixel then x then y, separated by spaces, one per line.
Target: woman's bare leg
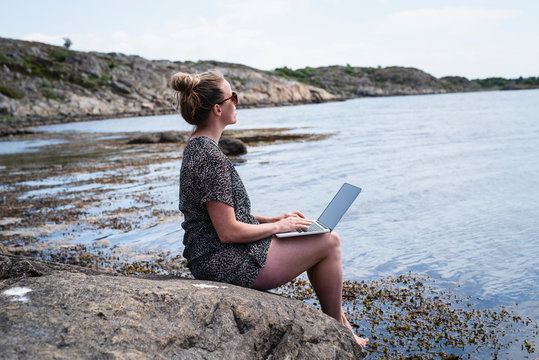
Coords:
pixel 320 256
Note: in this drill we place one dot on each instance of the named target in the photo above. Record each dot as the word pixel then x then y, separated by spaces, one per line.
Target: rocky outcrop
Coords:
pixel 229 146
pixel 161 137
pixel 40 80
pixel 351 82
pixel 60 311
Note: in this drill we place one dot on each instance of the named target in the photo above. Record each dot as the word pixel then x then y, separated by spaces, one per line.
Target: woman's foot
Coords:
pixel 361 341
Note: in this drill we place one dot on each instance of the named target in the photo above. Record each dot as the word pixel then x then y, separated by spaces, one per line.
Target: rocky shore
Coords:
pixel 45 84
pixel 48 84
pixel 52 311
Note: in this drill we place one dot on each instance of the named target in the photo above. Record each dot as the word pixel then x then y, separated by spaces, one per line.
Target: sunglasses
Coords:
pixel 233 98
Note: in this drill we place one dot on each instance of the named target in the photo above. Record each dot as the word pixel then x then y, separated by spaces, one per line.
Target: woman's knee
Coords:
pixel 334 242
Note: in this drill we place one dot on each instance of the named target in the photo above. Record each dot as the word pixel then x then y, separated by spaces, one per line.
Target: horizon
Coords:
pixel 439 37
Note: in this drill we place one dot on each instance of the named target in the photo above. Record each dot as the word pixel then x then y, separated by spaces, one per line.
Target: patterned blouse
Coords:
pixel 207 174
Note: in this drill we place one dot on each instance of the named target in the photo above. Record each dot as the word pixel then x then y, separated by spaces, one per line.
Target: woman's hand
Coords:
pixel 291 222
pixel 230 230
pixel 291 214
pixel 274 219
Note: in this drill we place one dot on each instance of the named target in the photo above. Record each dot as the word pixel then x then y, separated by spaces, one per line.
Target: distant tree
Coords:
pixel 67 42
pixel 349 69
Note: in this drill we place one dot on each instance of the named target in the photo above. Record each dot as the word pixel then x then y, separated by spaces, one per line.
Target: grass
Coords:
pixel 10 92
pixel 50 94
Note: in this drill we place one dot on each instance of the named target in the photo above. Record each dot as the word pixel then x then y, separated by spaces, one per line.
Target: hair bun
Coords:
pixel 184 82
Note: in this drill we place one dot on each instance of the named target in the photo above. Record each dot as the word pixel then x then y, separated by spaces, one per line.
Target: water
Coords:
pixel 450 184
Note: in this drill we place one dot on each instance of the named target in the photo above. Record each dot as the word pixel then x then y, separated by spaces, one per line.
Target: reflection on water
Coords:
pixel 19 146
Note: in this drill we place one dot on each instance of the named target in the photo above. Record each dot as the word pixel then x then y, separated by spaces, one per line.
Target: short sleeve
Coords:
pixel 214 179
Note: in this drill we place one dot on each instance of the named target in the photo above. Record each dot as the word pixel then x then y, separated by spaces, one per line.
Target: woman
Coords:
pixel 223 240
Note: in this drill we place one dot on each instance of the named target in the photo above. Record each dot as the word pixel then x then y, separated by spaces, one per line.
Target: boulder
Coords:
pixel 61 311
pixel 173 137
pixel 232 147
pixel 162 137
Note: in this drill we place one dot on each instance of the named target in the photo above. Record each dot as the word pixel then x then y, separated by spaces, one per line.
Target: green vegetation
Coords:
pixel 8 118
pixel 301 75
pixel 10 92
pixel 50 94
pixel 498 82
pixel 67 42
pixel 349 70
pixel 59 54
pixel 52 69
pixel 3 58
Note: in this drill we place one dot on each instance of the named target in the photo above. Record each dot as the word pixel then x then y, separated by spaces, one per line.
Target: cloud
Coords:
pixel 461 20
pixel 441 41
pixel 248 10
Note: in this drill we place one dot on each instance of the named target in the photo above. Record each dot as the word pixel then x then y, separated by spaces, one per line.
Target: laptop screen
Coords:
pixel 339 205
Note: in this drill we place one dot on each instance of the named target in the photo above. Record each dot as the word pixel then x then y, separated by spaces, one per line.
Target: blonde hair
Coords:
pixel 196 94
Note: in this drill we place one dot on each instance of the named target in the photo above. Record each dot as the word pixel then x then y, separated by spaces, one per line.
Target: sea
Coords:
pixel 450 184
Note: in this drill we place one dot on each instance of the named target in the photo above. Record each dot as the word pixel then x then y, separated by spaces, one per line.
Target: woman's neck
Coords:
pixel 212 133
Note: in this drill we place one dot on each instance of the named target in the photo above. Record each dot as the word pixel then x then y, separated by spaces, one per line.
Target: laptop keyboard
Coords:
pixel 313 227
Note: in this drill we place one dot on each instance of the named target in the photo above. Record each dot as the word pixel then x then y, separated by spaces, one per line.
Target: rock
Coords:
pixel 9 130
pixel 119 87
pixel 145 139
pixel 61 311
pixel 147 105
pixel 163 137
pixel 4 249
pixel 173 137
pixel 232 147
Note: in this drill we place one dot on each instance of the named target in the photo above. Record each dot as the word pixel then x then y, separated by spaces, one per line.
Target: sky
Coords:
pixel 470 38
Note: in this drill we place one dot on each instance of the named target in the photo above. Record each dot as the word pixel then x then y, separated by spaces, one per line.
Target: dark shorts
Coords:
pixel 231 266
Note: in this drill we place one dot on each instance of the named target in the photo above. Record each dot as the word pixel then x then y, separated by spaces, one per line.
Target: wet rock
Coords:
pixel 10 130
pixel 232 147
pixel 163 137
pixel 173 137
pixel 4 249
pixel 145 139
pixel 71 312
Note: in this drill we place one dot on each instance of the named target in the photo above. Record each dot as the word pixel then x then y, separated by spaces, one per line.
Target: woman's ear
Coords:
pixel 216 109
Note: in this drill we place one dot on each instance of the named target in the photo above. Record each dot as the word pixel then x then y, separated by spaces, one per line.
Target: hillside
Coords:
pixel 47 83
pixel 41 83
pixel 350 82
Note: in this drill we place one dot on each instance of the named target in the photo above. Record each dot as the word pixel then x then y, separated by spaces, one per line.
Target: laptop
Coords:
pixel 332 214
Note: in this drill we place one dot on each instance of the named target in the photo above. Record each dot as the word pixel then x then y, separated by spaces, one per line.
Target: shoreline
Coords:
pixel 19 125
pixel 102 186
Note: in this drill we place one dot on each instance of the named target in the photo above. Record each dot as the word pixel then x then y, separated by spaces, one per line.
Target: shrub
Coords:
pixel 49 94
pixel 10 92
pixel 67 42
pixel 302 75
pixel 492 82
pixel 59 54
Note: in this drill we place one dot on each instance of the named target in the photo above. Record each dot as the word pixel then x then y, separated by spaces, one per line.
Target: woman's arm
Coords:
pixel 264 219
pixel 230 230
